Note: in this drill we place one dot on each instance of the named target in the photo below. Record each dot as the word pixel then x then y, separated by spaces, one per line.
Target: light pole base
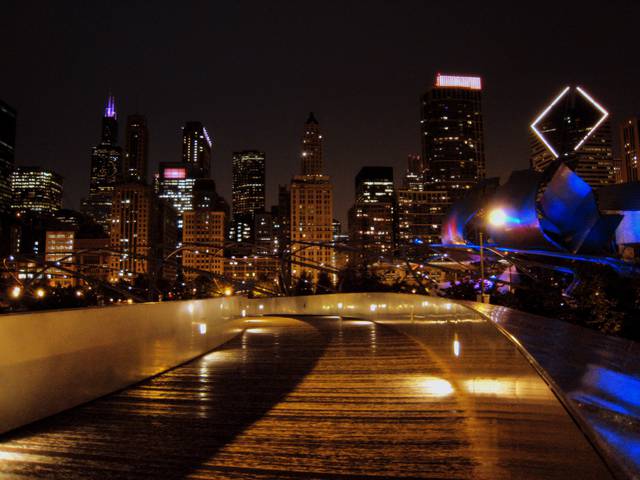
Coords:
pixel 483 298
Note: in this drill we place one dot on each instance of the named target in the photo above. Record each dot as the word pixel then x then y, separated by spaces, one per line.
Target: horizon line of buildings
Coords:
pixel 180 209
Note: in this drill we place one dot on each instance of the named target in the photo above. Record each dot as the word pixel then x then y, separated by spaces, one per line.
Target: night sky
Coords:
pixel 252 71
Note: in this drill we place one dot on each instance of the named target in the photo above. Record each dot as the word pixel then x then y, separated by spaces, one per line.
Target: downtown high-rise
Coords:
pixel 36 189
pixel 630 142
pixel 196 147
pixel 372 218
pixel 176 180
pixel 452 130
pixel 136 158
pixel 311 209
pixel 7 153
pixel 574 129
pixel 106 169
pixel 247 193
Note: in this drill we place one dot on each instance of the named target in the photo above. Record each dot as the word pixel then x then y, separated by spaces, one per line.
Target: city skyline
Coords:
pixel 370 112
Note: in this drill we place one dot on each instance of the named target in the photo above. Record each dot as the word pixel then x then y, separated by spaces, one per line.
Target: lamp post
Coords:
pixel 483 297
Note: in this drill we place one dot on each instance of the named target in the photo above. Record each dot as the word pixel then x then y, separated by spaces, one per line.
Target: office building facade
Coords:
pixel 36 189
pixel 203 236
pixel 136 157
pixel 453 136
pixel 574 129
pixel 143 232
pixel 311 209
pixel 106 169
pixel 372 219
pixel 630 142
pixel 8 117
pixel 247 193
pixel 196 147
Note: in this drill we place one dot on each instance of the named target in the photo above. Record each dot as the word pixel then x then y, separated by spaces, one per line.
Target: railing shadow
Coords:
pixel 168 426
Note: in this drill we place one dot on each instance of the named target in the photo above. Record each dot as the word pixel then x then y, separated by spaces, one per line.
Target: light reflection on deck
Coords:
pixel 323 397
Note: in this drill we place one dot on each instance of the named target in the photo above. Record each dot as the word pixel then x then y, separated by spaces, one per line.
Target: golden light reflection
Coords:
pixel 507 387
pixel 435 386
pixel 456 345
pixel 258 330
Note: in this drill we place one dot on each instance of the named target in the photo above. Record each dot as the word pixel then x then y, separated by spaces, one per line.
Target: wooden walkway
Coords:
pixel 322 398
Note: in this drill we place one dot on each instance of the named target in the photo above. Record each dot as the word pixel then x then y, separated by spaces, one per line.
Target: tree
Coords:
pixel 304 285
pixel 324 283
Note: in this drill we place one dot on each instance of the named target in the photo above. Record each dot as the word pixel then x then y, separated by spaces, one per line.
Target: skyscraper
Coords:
pixel 311 147
pixel 281 217
pixel 106 169
pixel 630 141
pixel 452 138
pixel 7 153
pixel 143 231
pixel 248 192
pixel 36 189
pixel 136 158
pixel 175 185
pixel 311 208
pixel 372 219
pixel 204 232
pixel 414 175
pixel 574 129
pixel 196 147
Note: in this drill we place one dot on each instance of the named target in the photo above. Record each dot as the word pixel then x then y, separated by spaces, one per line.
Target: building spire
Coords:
pixel 110 108
pixel 311 119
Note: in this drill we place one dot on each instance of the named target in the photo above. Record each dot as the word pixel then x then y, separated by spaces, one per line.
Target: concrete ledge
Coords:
pixel 55 360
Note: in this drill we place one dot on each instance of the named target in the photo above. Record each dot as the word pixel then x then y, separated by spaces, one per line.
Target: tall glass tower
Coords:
pixel 452 142
pixel 106 169
pixel 7 153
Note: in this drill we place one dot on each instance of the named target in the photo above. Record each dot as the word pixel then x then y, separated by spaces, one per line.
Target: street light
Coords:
pixel 497 217
pixel 40 293
pixel 16 292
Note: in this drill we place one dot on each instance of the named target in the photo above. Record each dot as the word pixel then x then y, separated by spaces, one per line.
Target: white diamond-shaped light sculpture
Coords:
pixel 545 112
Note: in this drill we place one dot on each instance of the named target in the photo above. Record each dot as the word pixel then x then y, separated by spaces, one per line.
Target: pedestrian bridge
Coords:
pixel 327 386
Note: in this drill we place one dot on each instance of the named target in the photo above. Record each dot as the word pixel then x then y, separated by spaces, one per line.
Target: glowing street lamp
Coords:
pixel 40 293
pixel 497 217
pixel 16 292
pixel 228 292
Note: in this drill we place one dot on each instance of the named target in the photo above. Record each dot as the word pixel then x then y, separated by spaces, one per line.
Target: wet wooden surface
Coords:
pixel 322 398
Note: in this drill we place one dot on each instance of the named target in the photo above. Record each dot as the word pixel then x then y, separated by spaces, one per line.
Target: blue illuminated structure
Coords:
pixel 554 211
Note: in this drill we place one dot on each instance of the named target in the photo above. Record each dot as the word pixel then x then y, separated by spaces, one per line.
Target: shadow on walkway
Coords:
pixel 171 424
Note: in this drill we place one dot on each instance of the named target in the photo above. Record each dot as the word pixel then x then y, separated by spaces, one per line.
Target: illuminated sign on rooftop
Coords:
pixel 472 83
pixel 175 173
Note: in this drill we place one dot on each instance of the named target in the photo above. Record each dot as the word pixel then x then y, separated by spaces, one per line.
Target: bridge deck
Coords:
pixel 322 398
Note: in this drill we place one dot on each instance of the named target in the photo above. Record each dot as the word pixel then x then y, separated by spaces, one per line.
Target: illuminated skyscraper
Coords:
pixel 452 138
pixel 175 185
pixel 196 147
pixel 7 153
pixel 311 208
pixel 630 141
pixel 106 169
pixel 372 219
pixel 575 129
pixel 281 217
pixel 136 157
pixel 414 175
pixel 36 189
pixel 204 233
pixel 311 147
pixel 143 231
pixel 59 247
pixel 247 192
